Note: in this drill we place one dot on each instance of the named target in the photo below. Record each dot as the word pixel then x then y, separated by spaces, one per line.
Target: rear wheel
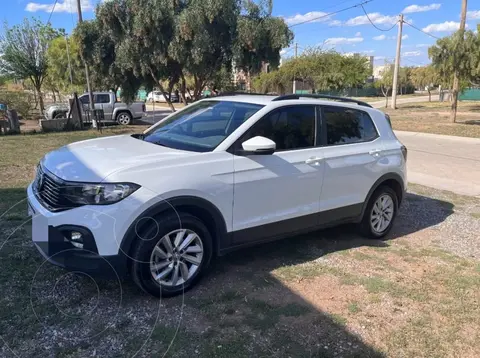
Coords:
pixel 171 255
pixel 124 118
pixel 380 213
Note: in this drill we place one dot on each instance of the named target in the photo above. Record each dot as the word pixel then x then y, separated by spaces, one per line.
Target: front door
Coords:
pixel 279 193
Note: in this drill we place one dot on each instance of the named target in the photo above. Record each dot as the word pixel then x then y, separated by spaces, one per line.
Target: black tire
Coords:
pixel 366 226
pixel 148 239
pixel 124 118
pixel 60 115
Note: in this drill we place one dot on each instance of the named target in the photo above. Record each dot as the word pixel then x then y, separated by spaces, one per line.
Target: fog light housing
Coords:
pixel 76 239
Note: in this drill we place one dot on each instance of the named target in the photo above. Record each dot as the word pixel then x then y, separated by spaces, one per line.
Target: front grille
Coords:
pixel 50 190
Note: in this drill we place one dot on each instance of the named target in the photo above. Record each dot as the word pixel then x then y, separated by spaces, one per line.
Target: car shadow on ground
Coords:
pixel 239 309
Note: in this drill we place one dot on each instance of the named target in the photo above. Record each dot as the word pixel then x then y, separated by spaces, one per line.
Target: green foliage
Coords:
pixel 164 43
pixel 19 101
pixel 58 74
pixel 24 52
pixel 450 54
pixel 260 37
pixel 321 70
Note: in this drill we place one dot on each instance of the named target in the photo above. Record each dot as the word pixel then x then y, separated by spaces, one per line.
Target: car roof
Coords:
pixel 245 98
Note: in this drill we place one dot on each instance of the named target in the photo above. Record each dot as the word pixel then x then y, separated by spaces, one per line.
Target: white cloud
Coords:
pixel 473 15
pixel 419 8
pixel 376 17
pixel 283 52
pixel 358 34
pixel 368 51
pixel 313 16
pixel 404 37
pixel 343 40
pixel 380 37
pixel 62 6
pixel 412 54
pixel 422 45
pixel 335 23
pixel 443 27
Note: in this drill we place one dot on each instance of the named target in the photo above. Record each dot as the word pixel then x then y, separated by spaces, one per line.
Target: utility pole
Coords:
pixel 397 63
pixel 461 35
pixel 294 79
pixel 87 75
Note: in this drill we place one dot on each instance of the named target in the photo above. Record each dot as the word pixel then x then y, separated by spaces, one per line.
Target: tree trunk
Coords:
pixel 429 95
pixel 162 90
pixel 453 112
pixel 35 98
pixel 40 98
pixel 182 91
pixel 54 97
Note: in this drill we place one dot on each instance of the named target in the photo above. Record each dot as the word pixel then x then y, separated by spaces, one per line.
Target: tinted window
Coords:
pixel 345 125
pixel 202 126
pixel 290 127
pixel 84 99
pixel 102 98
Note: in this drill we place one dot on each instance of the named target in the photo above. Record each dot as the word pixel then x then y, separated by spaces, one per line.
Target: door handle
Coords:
pixel 313 160
pixel 375 152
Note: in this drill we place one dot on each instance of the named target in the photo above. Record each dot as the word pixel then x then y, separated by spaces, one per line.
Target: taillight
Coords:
pixel 404 152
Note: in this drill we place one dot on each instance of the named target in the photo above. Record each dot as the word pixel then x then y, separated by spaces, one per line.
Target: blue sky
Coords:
pixel 347 31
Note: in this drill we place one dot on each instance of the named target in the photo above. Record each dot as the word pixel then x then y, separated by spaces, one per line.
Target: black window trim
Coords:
pixel 234 147
pixel 324 127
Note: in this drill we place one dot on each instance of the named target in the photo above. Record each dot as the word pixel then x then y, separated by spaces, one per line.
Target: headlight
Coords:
pixel 98 194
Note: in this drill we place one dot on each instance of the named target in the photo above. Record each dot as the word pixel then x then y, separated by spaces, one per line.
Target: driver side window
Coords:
pixel 290 127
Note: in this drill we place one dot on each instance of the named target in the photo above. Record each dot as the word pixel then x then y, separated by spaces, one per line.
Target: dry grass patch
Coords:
pixel 434 117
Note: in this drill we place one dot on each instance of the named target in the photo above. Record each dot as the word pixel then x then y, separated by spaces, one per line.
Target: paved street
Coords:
pixel 443 162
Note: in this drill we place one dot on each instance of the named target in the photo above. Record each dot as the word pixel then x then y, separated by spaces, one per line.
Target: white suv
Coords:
pixel 221 174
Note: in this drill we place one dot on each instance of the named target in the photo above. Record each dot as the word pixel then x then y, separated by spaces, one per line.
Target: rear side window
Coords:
pixel 346 126
pixel 102 98
pixel 289 127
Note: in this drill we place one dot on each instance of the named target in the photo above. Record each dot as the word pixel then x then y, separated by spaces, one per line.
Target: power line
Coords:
pixel 416 28
pixel 375 26
pixel 51 13
pixel 331 13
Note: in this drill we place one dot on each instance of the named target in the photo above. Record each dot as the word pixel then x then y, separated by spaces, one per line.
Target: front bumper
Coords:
pixel 104 227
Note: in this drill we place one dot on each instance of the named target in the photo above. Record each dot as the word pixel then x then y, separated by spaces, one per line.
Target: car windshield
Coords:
pixel 202 126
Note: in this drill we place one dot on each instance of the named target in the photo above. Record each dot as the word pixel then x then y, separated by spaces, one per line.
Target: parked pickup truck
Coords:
pixel 114 112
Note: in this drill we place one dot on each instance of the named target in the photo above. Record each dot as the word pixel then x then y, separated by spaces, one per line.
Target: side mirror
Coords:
pixel 259 145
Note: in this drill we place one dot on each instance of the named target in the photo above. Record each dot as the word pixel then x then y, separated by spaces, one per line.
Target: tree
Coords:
pixel 203 38
pixel 24 52
pixel 58 74
pixel 260 37
pixel 386 82
pixel 425 77
pixel 321 70
pixel 457 54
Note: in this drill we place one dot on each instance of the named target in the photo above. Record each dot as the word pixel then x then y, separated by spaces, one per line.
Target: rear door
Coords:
pixel 353 153
pixel 102 101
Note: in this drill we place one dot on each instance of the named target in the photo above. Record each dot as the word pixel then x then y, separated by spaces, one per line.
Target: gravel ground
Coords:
pixel 242 308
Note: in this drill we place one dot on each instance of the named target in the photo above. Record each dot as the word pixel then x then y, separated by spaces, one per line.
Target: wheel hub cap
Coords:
pixel 382 213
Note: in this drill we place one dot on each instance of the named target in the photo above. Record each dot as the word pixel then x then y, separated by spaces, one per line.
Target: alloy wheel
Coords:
pixel 176 257
pixel 382 213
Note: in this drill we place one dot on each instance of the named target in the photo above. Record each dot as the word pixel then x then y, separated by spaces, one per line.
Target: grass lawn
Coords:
pixel 434 117
pixel 325 294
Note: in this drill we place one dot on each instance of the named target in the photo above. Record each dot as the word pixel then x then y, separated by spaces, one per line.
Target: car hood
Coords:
pixel 95 159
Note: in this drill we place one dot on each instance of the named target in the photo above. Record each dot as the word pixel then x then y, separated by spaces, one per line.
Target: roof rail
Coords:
pixel 321 96
pixel 243 94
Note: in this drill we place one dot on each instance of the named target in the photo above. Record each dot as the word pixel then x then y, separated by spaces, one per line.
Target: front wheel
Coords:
pixel 380 213
pixel 124 118
pixel 171 254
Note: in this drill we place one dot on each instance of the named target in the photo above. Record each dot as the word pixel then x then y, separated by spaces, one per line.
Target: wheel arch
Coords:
pixel 207 212
pixel 117 112
pixel 392 180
